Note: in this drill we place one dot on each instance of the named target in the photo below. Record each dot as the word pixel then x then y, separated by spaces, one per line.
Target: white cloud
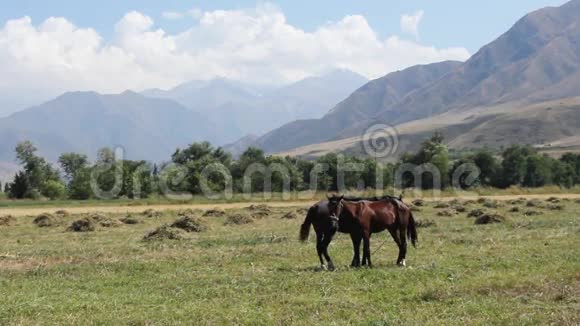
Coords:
pixel 254 45
pixel 410 23
pixel 172 15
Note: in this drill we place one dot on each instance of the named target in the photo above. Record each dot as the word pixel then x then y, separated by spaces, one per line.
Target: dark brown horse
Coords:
pixel 326 225
pixel 363 218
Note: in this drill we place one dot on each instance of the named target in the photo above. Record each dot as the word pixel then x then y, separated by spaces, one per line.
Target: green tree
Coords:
pixel 71 163
pixel 54 190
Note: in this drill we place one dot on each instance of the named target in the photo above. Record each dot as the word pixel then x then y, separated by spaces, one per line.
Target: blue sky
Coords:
pixel 470 24
pixel 109 46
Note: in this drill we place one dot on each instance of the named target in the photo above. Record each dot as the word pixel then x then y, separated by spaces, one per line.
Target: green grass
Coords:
pixel 524 271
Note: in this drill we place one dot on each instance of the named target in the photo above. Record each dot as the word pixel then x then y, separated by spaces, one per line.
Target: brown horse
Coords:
pixel 363 218
pixel 326 225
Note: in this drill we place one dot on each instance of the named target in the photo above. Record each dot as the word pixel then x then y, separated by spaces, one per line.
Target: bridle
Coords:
pixel 335 217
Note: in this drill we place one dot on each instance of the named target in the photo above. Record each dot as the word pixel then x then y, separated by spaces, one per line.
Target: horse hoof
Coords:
pixel 402 263
pixel 331 268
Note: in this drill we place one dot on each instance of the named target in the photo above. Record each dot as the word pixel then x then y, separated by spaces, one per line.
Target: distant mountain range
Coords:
pixel 153 124
pixel 536 61
pixel 238 110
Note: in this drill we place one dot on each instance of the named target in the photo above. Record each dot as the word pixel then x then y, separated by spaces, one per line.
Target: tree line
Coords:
pixel 199 168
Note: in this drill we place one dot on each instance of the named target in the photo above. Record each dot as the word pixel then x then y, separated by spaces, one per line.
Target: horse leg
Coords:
pixel 367 249
pixel 319 249
pixel 356 239
pixel 325 242
pixel 403 246
pixel 395 236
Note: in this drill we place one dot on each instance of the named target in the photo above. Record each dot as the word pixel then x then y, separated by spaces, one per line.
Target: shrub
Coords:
pixel 54 190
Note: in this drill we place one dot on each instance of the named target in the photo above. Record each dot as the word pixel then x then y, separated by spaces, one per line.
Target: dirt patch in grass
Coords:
pixel 82 225
pixel 190 224
pixel 47 220
pixel 165 232
pixel 239 219
pixel 490 218
pixel 216 212
pixel 7 220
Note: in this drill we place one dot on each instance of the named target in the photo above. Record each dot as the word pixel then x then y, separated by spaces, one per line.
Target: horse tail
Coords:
pixel 305 228
pixel 412 230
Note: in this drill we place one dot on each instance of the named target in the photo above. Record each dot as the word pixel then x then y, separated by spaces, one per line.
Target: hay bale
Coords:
pixel 62 212
pixel 302 211
pixel 481 200
pixel 418 202
pixel 442 205
pixel 82 225
pixel 469 202
pixel 165 232
pixel 190 224
pixel 260 207
pixel 130 220
pixel 151 213
pixel 556 207
pixel 185 212
pixel 446 213
pixel 7 220
pixel 489 219
pixel 532 212
pixel 553 200
pixel 46 220
pixel 577 201
pixel 491 204
pixel 103 220
pixel 425 223
pixel 238 219
pixel 476 212
pixel 290 216
pixel 514 209
pixel 459 208
pixel 534 203
pixel 216 212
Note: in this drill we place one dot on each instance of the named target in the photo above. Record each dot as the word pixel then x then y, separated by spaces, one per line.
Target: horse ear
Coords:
pixel 341 197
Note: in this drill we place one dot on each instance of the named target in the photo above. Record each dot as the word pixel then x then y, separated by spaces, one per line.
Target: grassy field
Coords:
pixel 525 270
